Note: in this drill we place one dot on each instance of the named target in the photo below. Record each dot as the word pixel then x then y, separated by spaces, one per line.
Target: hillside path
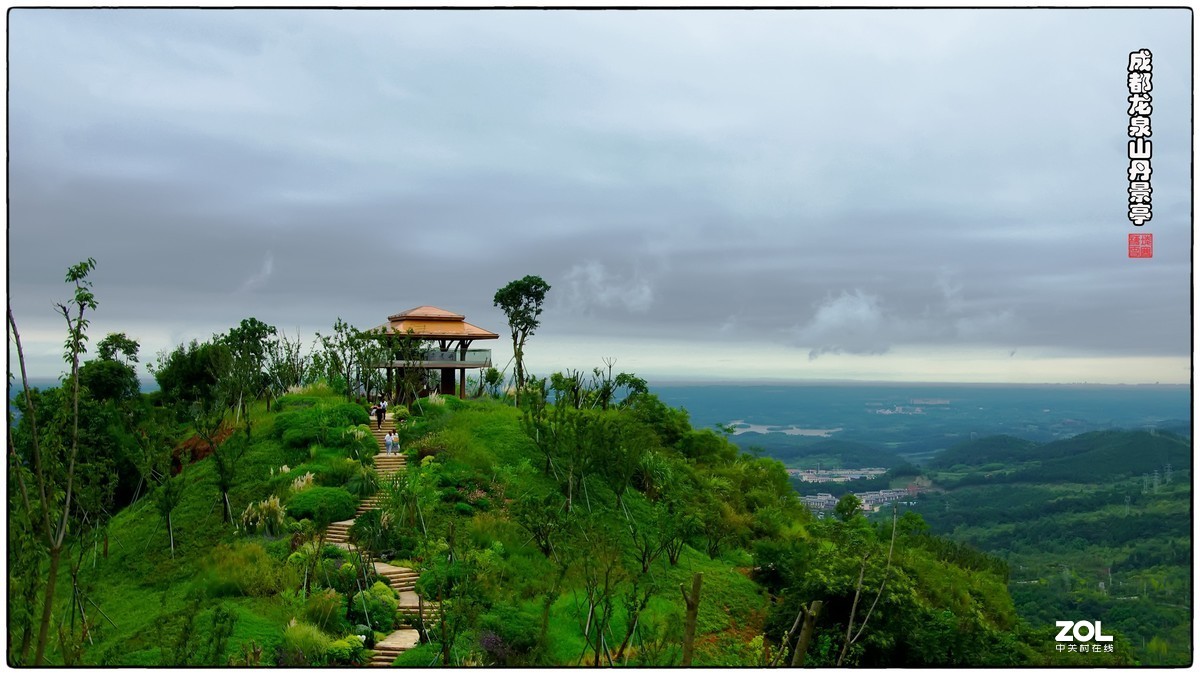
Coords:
pixel 402 579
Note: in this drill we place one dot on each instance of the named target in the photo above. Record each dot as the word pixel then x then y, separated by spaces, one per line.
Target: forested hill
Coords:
pixel 987 450
pixel 1096 455
pixel 541 535
pixel 1095 527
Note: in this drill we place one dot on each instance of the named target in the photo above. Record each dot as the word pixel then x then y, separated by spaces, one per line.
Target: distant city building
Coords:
pixel 835 475
pixel 823 501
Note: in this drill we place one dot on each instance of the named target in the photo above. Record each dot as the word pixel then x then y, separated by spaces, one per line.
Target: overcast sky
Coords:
pixel 880 195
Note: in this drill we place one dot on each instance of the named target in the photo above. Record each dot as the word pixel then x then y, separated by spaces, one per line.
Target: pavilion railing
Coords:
pixel 474 356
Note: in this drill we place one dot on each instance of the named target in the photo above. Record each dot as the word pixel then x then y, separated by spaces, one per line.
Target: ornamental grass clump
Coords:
pixel 303 645
pixel 267 515
pixel 303 482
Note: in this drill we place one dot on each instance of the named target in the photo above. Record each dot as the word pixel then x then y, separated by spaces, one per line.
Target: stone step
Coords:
pixel 389 649
pixel 400 575
pixel 410 578
pixel 412 611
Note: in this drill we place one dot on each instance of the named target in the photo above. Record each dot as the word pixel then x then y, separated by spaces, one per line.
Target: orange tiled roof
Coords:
pixel 434 323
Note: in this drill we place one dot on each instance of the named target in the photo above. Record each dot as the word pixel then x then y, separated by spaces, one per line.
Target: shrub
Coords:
pixel 323 505
pixel 303 645
pixel 378 604
pixel 339 472
pixel 305 552
pixel 358 441
pixel 298 428
pixel 429 445
pixel 346 414
pixel 364 482
pixel 267 515
pixel 279 549
pixel 245 569
pixel 509 634
pixel 326 609
pixel 348 651
pixel 345 579
pixel 299 437
pixel 453 402
pixel 381 535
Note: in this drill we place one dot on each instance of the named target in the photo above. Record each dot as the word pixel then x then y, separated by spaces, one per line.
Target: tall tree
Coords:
pixel 118 347
pixel 188 374
pixel 521 301
pixel 241 368
pixel 373 352
pixel 52 485
pixel 287 365
pixel 340 355
pixel 409 350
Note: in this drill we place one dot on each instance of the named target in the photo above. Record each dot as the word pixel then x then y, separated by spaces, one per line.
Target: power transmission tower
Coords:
pixel 1127 505
pixel 1155 481
pixel 1167 477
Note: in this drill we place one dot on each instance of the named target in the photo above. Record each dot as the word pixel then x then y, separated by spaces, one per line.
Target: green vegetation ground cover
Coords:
pixel 1089 526
pixel 480 466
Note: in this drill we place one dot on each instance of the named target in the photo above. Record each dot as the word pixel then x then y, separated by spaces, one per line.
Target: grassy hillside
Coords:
pixel 542 536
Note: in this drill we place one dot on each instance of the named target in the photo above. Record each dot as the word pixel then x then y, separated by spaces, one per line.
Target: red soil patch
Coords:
pixel 195 449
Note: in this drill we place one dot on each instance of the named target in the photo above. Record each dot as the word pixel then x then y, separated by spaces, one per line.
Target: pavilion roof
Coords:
pixel 430 322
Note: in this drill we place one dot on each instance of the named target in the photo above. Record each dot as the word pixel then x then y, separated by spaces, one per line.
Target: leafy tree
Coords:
pixel 208 421
pixel 189 374
pixel 521 301
pixel 118 347
pixel 286 364
pixel 373 351
pixel 493 379
pixel 848 506
pixel 109 380
pixel 49 483
pixel 339 355
pixel 241 370
pixel 111 377
pixel 155 469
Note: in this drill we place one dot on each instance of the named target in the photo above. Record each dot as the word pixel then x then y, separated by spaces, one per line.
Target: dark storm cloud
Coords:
pixel 836 181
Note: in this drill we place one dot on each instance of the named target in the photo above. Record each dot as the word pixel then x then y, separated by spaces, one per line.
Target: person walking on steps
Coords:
pixel 378 417
pixel 387 441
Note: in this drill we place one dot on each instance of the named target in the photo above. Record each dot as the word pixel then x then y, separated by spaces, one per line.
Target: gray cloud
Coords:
pixel 836 181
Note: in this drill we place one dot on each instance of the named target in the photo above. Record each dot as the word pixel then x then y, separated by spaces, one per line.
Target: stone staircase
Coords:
pixel 387 649
pixel 401 579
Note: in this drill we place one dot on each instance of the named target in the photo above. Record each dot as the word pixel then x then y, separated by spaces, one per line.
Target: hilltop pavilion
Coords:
pixel 451 337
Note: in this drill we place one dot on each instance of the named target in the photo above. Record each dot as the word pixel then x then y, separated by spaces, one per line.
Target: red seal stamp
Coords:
pixel 1141 246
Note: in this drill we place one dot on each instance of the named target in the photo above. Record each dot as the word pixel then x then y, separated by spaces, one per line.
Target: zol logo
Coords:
pixel 1081 631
